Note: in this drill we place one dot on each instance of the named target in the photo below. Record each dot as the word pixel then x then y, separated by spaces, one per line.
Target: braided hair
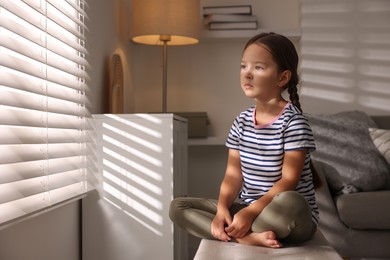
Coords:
pixel 286 56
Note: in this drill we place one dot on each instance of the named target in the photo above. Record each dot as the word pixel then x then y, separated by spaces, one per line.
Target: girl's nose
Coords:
pixel 248 75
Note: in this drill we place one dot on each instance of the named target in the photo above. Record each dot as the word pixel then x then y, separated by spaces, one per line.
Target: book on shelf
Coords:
pixel 233 9
pixel 226 18
pixel 234 26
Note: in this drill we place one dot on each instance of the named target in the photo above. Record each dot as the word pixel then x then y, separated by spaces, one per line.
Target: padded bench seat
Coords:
pixel 316 248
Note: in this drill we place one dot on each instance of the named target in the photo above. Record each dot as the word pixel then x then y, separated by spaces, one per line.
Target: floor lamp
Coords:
pixel 165 23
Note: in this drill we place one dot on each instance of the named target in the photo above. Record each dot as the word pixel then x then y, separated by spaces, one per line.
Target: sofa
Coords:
pixel 352 159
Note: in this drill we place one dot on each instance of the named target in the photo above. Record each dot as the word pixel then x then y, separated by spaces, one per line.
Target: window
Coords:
pixel 345 61
pixel 45 133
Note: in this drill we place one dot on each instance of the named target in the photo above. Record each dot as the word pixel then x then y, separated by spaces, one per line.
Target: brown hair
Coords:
pixel 285 55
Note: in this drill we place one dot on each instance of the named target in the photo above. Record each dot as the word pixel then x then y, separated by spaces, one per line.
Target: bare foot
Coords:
pixel 266 239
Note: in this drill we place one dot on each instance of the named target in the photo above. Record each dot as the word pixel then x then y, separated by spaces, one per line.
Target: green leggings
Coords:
pixel 288 215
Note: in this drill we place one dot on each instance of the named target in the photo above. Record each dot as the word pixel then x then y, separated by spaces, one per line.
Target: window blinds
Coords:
pixel 345 55
pixel 45 133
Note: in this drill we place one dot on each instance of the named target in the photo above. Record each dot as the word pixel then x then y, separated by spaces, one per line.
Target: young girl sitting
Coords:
pixel 269 164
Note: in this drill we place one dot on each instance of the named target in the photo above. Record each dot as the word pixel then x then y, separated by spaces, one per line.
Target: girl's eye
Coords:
pixel 242 66
pixel 258 67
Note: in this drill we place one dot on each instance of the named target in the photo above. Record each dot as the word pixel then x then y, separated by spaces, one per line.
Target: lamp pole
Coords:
pixel 165 23
pixel 165 39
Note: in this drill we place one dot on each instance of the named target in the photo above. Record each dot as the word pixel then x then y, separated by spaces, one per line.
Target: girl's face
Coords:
pixel 260 78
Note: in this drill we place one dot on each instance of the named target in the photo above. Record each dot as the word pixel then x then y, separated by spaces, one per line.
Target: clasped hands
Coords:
pixel 226 228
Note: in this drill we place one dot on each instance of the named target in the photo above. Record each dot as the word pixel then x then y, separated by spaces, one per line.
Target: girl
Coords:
pixel 268 164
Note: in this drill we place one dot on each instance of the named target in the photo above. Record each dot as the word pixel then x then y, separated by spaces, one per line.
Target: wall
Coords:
pixel 108 33
pixel 51 235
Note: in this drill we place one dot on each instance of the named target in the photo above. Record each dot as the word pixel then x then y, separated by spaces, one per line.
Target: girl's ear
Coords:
pixel 284 78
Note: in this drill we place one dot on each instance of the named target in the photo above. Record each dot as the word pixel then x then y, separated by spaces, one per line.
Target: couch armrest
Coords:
pixel 347 241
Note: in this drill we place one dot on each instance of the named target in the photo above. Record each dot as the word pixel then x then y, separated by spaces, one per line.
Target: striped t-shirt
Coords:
pixel 262 150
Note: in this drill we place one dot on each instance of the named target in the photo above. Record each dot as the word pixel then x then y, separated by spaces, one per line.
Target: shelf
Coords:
pixel 206 141
pixel 246 34
pixel 270 18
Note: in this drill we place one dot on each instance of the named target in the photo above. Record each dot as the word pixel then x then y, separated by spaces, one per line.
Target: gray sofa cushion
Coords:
pixel 344 146
pixel 365 210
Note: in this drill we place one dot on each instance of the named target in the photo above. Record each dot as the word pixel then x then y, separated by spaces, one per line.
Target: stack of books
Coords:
pixel 238 17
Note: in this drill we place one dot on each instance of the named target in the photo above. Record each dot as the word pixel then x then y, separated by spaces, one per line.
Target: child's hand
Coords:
pixel 221 219
pixel 241 224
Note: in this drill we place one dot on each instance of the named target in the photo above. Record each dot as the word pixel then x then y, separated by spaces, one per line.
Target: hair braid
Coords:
pixel 294 97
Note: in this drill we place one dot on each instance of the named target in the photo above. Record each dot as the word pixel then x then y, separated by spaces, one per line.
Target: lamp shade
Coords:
pixel 176 21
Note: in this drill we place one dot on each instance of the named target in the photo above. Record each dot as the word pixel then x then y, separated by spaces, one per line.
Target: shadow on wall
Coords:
pixel 137 156
pixel 131 171
pixel 345 56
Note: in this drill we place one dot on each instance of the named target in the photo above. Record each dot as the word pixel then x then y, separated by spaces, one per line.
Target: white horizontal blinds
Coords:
pixel 45 137
pixel 345 55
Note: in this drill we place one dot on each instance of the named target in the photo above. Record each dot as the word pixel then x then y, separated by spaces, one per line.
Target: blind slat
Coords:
pixel 33 186
pixel 16 210
pixel 18 190
pixel 26 170
pixel 34 152
pixel 16 61
pixel 18 172
pixel 12 116
pixel 19 80
pixel 24 13
pixel 60 12
pixel 62 73
pixel 24 28
pixel 22 99
pixel 35 135
pixel 60 41
pixel 69 24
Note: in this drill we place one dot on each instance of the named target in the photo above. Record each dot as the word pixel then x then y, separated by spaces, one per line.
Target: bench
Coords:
pixel 316 248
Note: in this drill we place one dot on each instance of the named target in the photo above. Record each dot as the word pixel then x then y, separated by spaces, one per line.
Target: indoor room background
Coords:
pixel 344 49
